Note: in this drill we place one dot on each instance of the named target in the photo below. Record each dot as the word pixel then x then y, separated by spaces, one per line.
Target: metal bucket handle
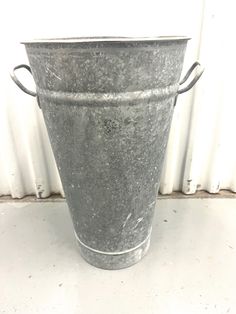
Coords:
pixel 18 83
pixel 180 91
pixel 194 80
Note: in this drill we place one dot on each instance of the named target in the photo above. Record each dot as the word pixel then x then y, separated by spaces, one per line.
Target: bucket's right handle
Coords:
pixel 18 83
pixel 193 81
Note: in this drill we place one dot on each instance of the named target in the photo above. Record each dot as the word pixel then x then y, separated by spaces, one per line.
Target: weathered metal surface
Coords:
pixel 108 105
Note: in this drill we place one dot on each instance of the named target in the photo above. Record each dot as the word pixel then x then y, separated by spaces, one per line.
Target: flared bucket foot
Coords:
pixel 113 260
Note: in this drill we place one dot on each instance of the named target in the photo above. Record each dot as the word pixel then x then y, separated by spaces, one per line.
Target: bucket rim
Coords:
pixel 68 40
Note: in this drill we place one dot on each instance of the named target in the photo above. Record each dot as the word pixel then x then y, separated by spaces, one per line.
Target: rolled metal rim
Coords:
pixel 105 39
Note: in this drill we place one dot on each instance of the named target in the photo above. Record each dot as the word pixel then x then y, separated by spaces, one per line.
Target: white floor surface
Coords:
pixel 190 267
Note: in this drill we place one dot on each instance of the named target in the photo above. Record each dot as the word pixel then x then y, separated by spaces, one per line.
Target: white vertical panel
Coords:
pixel 27 163
pixel 210 148
pixel 201 153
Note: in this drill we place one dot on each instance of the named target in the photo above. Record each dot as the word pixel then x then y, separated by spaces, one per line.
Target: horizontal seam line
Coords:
pixel 112 253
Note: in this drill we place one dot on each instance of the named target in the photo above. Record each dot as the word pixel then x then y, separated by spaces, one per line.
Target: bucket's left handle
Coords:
pixel 18 83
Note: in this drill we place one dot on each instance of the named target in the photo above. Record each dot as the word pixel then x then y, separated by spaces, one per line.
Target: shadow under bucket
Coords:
pixel 108 104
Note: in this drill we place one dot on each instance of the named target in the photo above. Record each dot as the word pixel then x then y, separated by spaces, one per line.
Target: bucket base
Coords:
pixel 116 260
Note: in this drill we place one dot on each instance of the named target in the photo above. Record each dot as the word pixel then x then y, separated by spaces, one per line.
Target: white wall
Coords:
pixel 201 153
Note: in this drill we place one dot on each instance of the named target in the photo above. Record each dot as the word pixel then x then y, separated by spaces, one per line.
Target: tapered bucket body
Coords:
pixel 108 105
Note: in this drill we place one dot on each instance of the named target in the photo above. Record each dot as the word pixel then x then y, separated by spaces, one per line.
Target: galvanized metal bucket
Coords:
pixel 108 105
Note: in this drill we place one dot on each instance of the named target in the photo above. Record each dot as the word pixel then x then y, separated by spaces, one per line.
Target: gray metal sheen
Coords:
pixel 108 105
